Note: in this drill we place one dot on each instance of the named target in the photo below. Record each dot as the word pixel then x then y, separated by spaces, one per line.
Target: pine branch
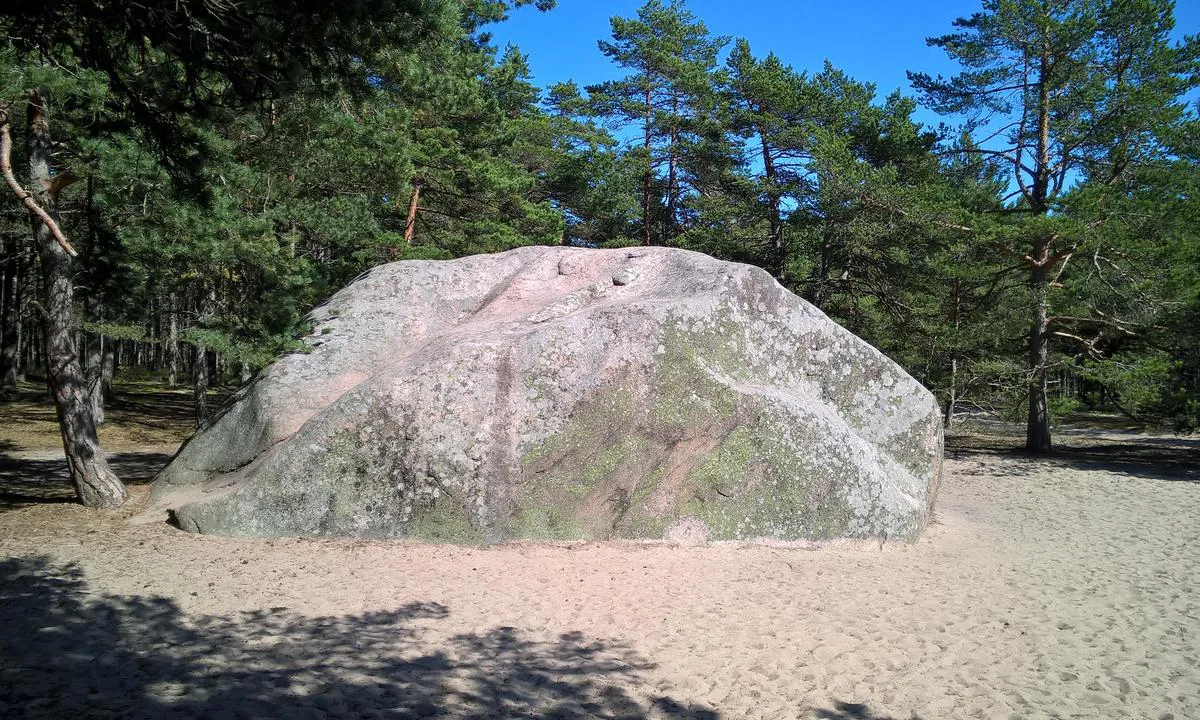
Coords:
pixel 25 198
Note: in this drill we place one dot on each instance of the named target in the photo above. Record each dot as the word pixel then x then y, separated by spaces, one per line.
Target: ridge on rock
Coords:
pixel 561 393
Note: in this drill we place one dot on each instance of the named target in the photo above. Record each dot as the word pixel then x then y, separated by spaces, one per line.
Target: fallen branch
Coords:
pixel 24 197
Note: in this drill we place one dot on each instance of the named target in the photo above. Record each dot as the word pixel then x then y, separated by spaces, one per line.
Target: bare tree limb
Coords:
pixel 1089 344
pixel 62 181
pixel 24 197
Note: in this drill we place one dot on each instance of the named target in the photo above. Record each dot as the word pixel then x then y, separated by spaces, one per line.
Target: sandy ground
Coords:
pixel 1064 588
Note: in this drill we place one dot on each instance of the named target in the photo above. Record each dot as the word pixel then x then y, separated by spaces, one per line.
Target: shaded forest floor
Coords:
pixel 141 414
pixel 1045 588
pixel 145 425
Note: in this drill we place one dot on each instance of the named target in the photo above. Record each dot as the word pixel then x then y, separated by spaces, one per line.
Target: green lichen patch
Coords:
pixel 361 482
pixel 638 520
pixel 577 485
pixel 753 485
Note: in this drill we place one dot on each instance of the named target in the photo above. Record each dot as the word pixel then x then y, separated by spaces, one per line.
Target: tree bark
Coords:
pixel 1037 426
pixel 96 485
pixel 820 293
pixel 200 385
pixel 411 225
pixel 956 318
pixel 648 177
pixel 672 173
pixel 94 372
pixel 778 260
pixel 173 341
pixel 10 311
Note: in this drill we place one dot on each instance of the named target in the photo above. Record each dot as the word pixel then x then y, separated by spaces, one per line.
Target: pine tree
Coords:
pixel 1081 92
pixel 671 56
pixel 195 61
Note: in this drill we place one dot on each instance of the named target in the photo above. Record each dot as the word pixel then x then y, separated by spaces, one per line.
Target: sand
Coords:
pixel 1063 589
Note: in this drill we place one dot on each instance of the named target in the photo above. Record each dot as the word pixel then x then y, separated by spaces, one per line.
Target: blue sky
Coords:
pixel 872 40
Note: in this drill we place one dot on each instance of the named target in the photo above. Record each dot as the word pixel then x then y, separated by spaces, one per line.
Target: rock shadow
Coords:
pixel 68 652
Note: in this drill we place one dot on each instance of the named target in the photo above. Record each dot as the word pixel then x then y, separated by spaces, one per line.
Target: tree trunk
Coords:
pixel 108 368
pixel 672 173
pixel 96 485
pixel 156 345
pixel 10 311
pixel 1037 427
pixel 200 384
pixel 94 372
pixel 28 345
pixel 778 259
pixel 102 361
pixel 648 177
pixel 956 318
pixel 820 293
pixel 411 225
pixel 173 341
pixel 672 197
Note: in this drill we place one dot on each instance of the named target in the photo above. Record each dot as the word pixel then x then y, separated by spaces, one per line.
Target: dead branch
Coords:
pixel 25 198
pixel 1089 344
pixel 1117 324
pixel 1062 268
pixel 62 181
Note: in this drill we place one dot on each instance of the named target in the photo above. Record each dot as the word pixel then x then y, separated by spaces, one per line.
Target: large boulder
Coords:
pixel 562 393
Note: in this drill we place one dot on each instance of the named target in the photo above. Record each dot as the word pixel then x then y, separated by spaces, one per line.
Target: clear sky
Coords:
pixel 872 40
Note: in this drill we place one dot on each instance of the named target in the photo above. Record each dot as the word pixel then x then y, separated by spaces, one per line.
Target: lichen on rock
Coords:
pixel 568 394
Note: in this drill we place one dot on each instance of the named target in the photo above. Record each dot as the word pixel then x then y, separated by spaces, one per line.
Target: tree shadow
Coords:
pixel 854 711
pixel 1155 458
pixel 26 481
pixel 69 652
pixel 157 407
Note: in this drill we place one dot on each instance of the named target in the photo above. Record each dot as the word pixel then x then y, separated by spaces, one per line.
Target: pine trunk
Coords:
pixel 410 226
pixel 820 293
pixel 1037 428
pixel 200 385
pixel 94 371
pixel 173 342
pixel 672 174
pixel 956 318
pixel 10 311
pixel 778 252
pixel 647 178
pixel 108 368
pixel 156 349
pixel 96 485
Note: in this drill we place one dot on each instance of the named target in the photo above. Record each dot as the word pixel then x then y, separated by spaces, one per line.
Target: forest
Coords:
pixel 185 181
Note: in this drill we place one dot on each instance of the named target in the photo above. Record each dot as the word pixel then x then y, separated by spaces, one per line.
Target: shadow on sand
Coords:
pixel 1155 458
pixel 28 480
pixel 67 652
pixel 855 711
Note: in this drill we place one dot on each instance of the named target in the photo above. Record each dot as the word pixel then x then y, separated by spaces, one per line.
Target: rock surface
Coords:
pixel 562 393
